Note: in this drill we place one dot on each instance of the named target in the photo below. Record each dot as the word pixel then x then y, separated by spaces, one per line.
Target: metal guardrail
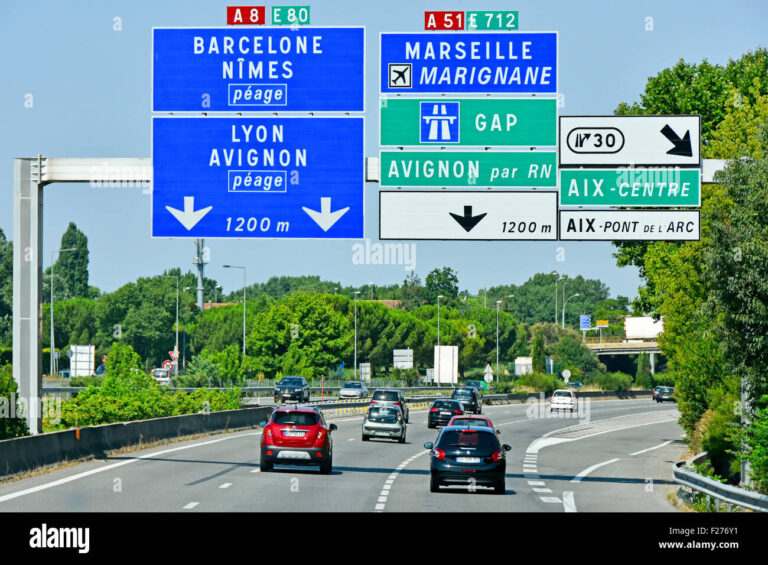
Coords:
pixel 727 493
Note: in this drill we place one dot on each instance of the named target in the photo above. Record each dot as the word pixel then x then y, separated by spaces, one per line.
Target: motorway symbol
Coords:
pixel 430 215
pixel 630 225
pixel 439 122
pixel 483 62
pixel 468 221
pixel 640 141
pixel 325 218
pixel 225 69
pixel 682 146
pixel 400 75
pixel 258 177
pixel 189 216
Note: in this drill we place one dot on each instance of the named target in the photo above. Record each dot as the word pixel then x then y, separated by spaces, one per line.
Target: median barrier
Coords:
pixel 24 454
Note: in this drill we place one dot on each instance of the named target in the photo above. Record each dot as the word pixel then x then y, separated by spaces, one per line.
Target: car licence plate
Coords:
pixel 382 433
pixel 294 434
pixel 467 460
pixel 293 455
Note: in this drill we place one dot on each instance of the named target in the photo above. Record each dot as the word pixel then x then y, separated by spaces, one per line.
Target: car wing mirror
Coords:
pixel 262 424
pixel 333 427
pixel 428 445
pixel 506 447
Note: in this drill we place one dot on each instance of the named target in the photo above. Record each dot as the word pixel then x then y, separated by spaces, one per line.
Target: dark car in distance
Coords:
pixel 467 456
pixel 664 394
pixel 297 435
pixel 292 388
pixel 441 412
pixel 470 398
pixel 391 396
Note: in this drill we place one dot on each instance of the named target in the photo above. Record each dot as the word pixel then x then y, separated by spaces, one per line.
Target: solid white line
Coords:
pixel 191 505
pixel 588 470
pixel 66 480
pixel 569 504
pixel 651 448
pixel 225 485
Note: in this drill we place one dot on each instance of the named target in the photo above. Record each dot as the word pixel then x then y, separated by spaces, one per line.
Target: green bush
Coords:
pixel 645 380
pixel 755 438
pixel 410 376
pixel 541 382
pixel 86 381
pixel 10 427
pixel 617 381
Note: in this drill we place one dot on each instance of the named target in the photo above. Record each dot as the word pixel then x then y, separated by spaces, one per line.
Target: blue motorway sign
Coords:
pixel 585 321
pixel 258 69
pixel 265 177
pixel 503 62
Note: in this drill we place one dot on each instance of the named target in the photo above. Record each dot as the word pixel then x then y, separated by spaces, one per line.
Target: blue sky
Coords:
pixel 90 88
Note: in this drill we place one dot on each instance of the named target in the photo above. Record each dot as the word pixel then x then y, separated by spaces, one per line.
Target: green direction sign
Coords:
pixel 469 168
pixel 491 19
pixel 530 122
pixel 290 15
pixel 630 187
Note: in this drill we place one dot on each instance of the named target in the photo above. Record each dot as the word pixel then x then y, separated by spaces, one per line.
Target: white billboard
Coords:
pixel 81 360
pixel 643 327
pixel 630 140
pixel 446 364
pixel 403 358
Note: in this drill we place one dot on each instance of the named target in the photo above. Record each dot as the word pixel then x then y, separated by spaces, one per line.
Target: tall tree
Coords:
pixel 72 266
pixel 442 282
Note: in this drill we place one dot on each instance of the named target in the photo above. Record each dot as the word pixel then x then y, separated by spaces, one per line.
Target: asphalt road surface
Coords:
pixel 612 455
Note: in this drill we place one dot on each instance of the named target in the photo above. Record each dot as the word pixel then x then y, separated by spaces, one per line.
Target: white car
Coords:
pixel 563 400
pixel 353 389
pixel 162 376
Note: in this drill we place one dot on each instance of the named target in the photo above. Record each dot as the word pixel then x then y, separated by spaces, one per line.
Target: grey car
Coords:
pixel 384 421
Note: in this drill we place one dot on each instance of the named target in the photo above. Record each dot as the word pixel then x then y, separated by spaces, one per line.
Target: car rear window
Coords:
pixel 291 381
pixel 563 393
pixel 295 418
pixel 161 374
pixel 389 396
pixel 445 404
pixel 385 414
pixel 470 422
pixel 353 385
pixel 463 392
pixel 469 438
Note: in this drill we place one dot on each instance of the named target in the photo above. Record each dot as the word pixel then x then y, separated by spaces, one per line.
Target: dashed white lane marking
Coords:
pixel 588 470
pixel 651 448
pixel 225 485
pixel 256 471
pixel 351 439
pixel 551 499
pixel 387 487
pixel 542 490
pixel 536 483
pixel 191 505
pixel 569 504
pixel 65 480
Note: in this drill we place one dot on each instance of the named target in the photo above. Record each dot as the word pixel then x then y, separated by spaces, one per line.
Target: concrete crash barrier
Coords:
pixel 24 454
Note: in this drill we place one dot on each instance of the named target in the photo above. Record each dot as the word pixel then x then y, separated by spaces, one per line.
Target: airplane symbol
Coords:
pixel 399 75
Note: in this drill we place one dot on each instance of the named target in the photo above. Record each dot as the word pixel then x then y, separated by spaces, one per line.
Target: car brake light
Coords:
pixel 319 453
pixel 498 455
pixel 439 453
pixel 457 411
pixel 268 431
pixel 433 409
pixel 320 435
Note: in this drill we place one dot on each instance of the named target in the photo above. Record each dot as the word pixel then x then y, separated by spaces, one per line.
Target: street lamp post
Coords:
pixel 498 305
pixel 485 297
pixel 439 296
pixel 357 292
pixel 564 303
pixel 216 290
pixel 243 268
pixel 371 284
pixel 53 341
pixel 175 361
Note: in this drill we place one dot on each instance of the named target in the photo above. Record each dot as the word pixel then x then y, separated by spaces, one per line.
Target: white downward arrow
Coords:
pixel 325 218
pixel 189 217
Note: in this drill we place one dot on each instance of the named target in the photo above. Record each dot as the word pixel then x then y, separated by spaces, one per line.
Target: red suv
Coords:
pixel 297 436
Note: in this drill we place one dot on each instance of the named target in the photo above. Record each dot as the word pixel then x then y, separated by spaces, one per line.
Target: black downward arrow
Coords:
pixel 467 221
pixel 682 146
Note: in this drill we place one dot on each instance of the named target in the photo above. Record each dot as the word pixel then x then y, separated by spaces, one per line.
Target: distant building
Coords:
pixel 208 305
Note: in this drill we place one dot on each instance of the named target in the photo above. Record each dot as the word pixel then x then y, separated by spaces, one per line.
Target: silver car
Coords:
pixel 353 389
pixel 384 421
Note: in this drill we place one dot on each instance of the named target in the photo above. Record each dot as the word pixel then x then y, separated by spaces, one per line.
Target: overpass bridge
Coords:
pixel 620 346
